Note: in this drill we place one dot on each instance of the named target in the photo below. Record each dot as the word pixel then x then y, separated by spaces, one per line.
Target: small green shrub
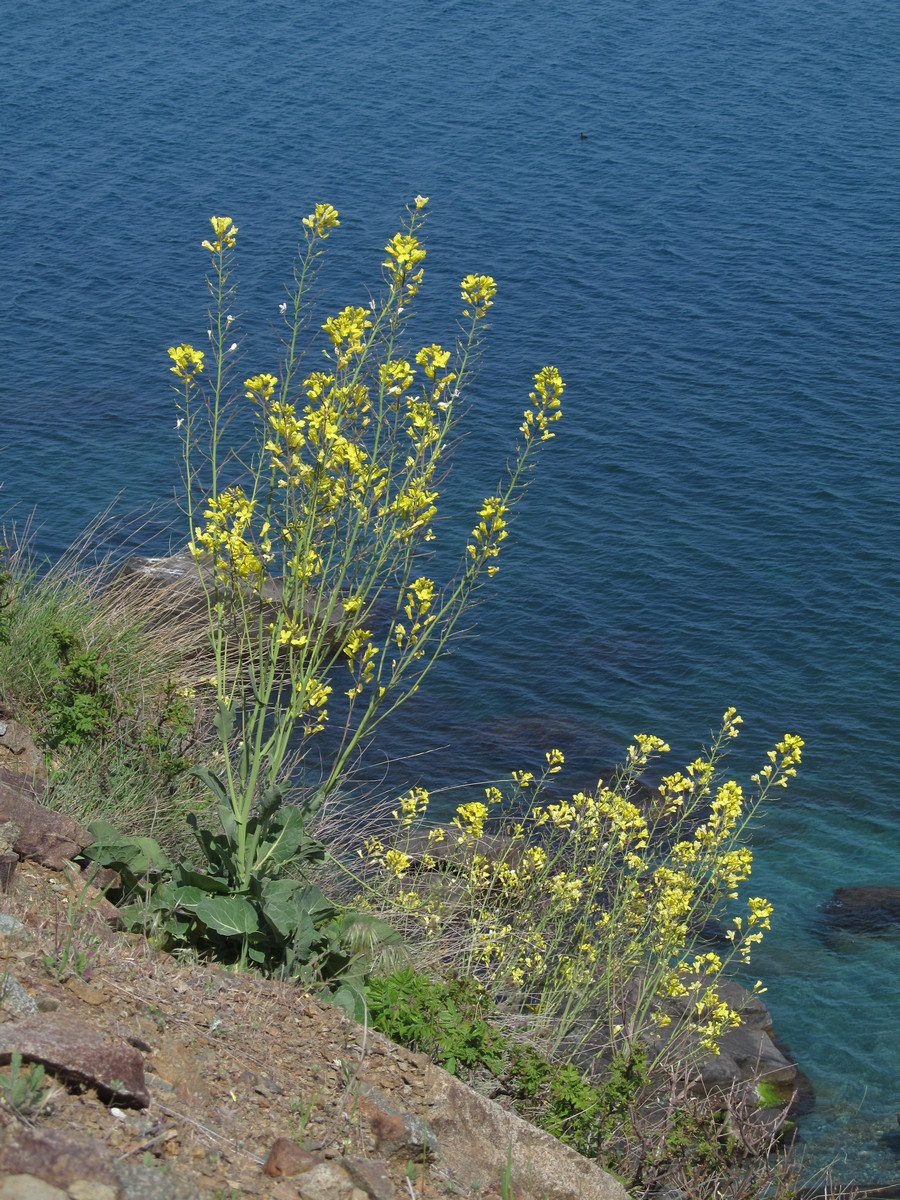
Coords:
pixel 442 1018
pixel 23 1091
pixel 80 705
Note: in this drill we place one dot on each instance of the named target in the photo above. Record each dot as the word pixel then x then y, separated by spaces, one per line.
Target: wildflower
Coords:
pixel 403 252
pixel 433 358
pixel 470 818
pixel 413 804
pixel 260 387
pixel 321 222
pixel 188 362
pixel 478 292
pixel 421 201
pixel 491 530
pixel 225 235
pixel 545 400
pixel 555 760
pixel 397 863
pixel 347 333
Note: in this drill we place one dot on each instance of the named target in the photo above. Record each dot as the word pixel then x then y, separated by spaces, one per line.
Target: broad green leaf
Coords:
pixel 139 854
pixel 280 907
pixel 351 1001
pixel 270 799
pixel 190 897
pixel 289 840
pixel 218 885
pixel 232 916
pixel 315 904
pixel 216 849
pixel 212 781
pixel 304 940
pixel 224 721
pixel 226 817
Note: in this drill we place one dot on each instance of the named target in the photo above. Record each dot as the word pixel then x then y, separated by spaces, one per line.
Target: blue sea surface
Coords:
pixel 692 211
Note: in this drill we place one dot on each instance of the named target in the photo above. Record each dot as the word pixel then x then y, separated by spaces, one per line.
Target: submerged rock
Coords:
pixel 862 909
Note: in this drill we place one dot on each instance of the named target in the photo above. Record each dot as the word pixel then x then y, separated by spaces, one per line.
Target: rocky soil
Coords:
pixel 174 1081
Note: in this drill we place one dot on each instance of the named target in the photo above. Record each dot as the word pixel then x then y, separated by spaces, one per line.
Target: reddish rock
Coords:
pixel 48 837
pixel 18 751
pixel 287 1158
pixel 101 877
pixel 69 1047
pixel 396 1132
pixel 54 1157
pixel 371 1176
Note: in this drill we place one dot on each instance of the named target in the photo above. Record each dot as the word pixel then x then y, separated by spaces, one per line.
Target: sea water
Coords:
pixel 691 210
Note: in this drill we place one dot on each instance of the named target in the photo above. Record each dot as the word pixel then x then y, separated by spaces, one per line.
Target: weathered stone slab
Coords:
pixel 371 1176
pixel 478 1138
pixel 56 1158
pixel 69 1047
pixel 18 751
pixel 48 837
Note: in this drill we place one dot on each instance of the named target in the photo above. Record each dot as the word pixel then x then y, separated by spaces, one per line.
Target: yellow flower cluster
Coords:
pixel 404 252
pixel 478 292
pixel 420 597
pixel 490 531
pixel 783 761
pixel 225 234
pixel 361 655
pixel 312 696
pixel 347 332
pixel 320 222
pixel 432 359
pixel 470 818
pixel 260 388
pixel 413 805
pixel 228 538
pixel 545 404
pixel 188 362
pixel 603 882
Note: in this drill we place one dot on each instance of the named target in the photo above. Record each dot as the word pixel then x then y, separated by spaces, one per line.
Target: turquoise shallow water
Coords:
pixel 714 270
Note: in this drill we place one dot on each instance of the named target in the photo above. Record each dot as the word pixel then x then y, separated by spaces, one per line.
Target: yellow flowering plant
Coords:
pixel 586 913
pixel 314 549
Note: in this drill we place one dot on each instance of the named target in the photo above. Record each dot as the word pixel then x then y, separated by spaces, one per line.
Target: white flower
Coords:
pixel 229 319
pixel 179 422
pixel 232 347
pixel 282 308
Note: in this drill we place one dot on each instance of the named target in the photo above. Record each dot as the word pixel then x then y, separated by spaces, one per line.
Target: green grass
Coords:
pixel 106 679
